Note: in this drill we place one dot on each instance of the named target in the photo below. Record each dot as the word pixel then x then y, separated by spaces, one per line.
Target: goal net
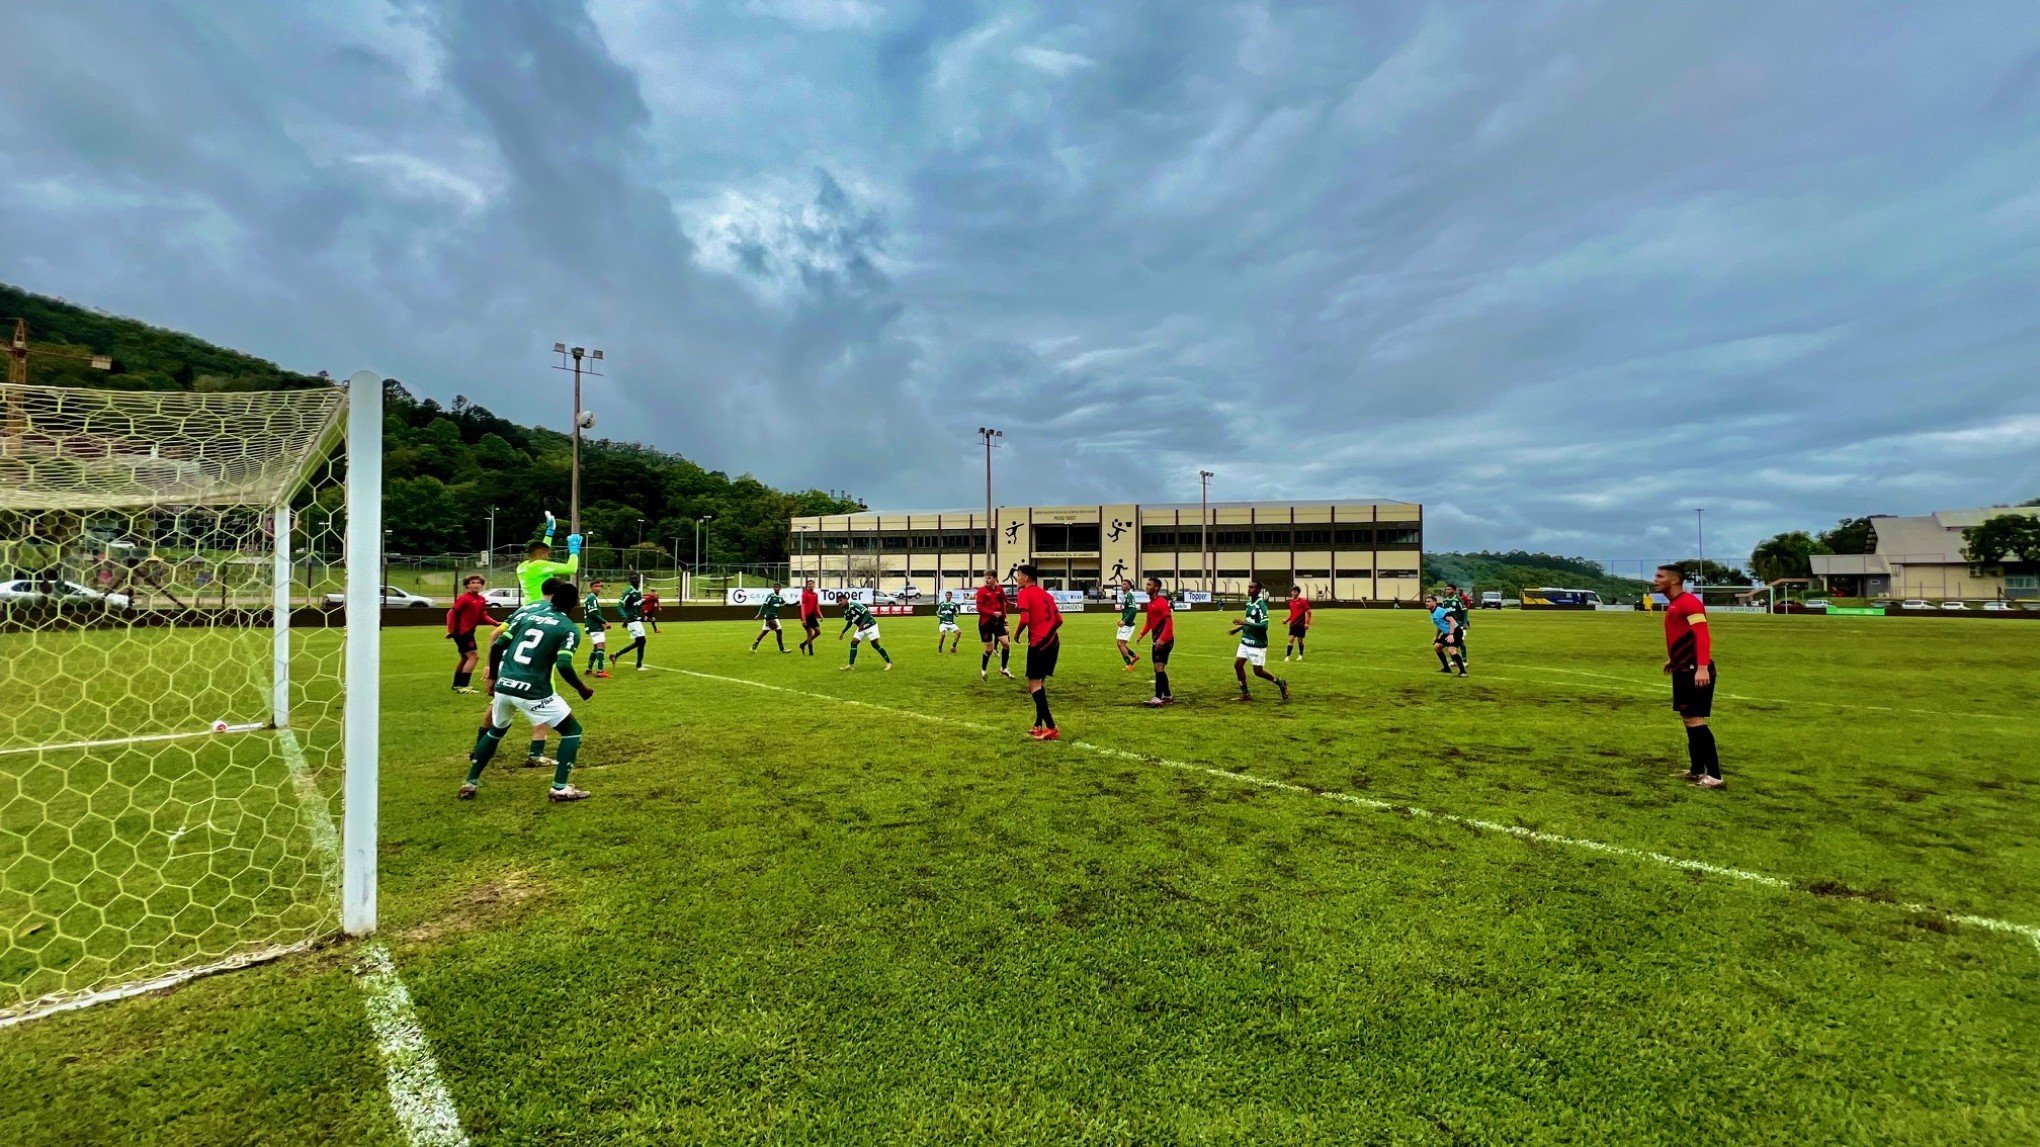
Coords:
pixel 175 713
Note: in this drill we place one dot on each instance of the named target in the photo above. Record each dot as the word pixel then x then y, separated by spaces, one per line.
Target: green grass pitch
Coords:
pixel 808 906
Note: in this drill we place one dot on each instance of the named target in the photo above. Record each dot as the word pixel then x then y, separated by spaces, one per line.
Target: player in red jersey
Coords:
pixel 991 610
pixel 1689 659
pixel 810 616
pixel 1040 615
pixel 469 611
pixel 1299 622
pixel 1161 621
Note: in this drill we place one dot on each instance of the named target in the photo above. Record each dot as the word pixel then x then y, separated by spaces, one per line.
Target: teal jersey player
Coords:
pixel 945 612
pixel 536 641
pixel 768 621
pixel 631 604
pixel 1253 650
pixel 1254 630
pixel 856 616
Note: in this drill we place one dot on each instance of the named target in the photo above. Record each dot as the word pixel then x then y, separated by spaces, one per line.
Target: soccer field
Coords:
pixel 814 906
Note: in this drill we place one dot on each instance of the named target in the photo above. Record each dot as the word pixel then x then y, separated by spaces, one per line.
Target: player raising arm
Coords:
pixel 535 641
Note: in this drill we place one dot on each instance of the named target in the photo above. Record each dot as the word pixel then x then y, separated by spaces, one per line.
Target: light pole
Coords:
pixel 489 561
pixel 989 434
pixel 1204 525
pixel 1700 541
pixel 576 354
pixel 697 540
pixel 640 543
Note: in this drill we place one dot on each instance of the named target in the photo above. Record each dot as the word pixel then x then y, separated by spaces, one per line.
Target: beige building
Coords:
pixel 1922 557
pixel 1337 551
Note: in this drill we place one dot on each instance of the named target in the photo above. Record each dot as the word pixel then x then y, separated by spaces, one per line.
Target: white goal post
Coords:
pixel 179 711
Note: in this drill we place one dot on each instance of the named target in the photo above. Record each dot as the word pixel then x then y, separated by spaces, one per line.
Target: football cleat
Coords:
pixel 570 793
pixel 467 792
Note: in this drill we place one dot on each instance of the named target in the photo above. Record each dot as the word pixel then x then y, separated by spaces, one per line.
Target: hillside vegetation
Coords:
pixel 1511 572
pixel 444 467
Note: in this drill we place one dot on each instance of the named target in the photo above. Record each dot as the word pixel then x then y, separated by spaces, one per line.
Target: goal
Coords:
pixel 182 714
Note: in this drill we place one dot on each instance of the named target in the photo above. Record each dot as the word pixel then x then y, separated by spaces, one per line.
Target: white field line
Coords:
pixel 114 741
pixel 2029 931
pixel 418 1095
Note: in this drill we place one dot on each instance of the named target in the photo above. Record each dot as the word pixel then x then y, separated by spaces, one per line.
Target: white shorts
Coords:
pixel 949 627
pixel 634 628
pixel 1253 656
pixel 598 636
pixel 869 633
pixel 1126 633
pixel 544 711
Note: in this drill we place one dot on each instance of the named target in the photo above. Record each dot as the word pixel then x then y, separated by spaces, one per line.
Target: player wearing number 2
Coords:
pixel 535 641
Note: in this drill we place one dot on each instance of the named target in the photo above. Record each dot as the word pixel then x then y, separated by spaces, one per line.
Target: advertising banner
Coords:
pixel 751 596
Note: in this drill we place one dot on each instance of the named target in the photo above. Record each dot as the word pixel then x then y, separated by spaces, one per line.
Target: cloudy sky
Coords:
pixel 1560 271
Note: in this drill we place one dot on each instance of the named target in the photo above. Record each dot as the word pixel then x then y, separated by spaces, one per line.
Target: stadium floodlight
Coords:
pixel 989 435
pixel 180 721
pixel 581 421
pixel 1204 478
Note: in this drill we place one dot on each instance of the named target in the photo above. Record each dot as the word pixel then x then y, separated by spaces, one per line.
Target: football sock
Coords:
pixel 985 662
pixel 853 653
pixel 1299 647
pixel 1161 685
pixel 776 636
pixel 570 747
pixel 537 747
pixel 1443 661
pixel 1042 719
pixel 1700 748
pixel 1005 656
pixel 461 678
pixel 486 740
pixel 880 650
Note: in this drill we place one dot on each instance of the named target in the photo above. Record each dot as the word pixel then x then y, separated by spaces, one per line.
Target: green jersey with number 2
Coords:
pixel 534 640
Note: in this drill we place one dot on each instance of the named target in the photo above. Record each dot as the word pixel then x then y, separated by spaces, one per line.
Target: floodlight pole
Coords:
pixel 1204 525
pixel 576 354
pixel 1700 541
pixel 490 561
pixel 988 434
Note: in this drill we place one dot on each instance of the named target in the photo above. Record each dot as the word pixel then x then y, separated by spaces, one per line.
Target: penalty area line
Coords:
pixel 1988 923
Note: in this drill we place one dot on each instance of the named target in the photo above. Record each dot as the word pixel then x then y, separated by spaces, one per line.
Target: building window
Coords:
pixel 894 543
pixel 1401 537
pixel 1319 575
pixel 2022 583
pixel 1162 538
pixel 1188 574
pixel 1235 573
pixel 1271 537
pixel 1312 538
pixel 1353 538
pixel 1232 538
pixel 1359 574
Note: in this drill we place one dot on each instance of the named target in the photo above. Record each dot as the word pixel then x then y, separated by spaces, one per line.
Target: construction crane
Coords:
pixel 17 355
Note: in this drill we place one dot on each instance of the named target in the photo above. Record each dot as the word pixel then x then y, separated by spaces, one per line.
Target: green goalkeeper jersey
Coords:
pixel 768 610
pixel 1254 633
pixel 591 613
pixel 1129 611
pixel 632 604
pixel 531 576
pixel 945 612
pixel 855 616
pixel 533 641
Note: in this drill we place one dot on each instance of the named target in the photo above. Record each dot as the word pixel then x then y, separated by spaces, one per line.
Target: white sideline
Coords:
pixel 418 1095
pixel 1990 923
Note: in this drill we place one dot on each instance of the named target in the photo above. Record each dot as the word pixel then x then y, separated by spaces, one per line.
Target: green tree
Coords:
pixel 2013 537
pixel 1785 555
pixel 1711 572
pixel 1850 536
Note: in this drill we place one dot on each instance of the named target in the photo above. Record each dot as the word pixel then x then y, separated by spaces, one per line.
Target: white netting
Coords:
pixel 66 449
pixel 169 769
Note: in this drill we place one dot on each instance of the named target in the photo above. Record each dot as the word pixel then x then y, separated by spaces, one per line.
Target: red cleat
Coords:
pixel 1049 735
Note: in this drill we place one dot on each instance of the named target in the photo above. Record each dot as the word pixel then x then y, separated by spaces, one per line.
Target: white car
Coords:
pixel 392 597
pixel 503 597
pixel 1815 603
pixel 1914 603
pixel 1998 606
pixel 38 591
pixel 1954 605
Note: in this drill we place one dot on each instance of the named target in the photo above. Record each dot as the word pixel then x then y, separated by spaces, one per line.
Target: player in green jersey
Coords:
pixel 1129 614
pixel 538 566
pixel 857 617
pixel 535 756
pixel 946 627
pixel 537 639
pixel 768 619
pixel 631 607
pixel 598 630
pixel 1253 650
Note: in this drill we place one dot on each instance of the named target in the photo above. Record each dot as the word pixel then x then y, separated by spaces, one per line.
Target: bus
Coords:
pixel 1553 596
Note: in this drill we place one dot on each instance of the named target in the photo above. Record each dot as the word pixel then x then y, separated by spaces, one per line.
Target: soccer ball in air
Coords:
pixel 586 420
pixel 219 726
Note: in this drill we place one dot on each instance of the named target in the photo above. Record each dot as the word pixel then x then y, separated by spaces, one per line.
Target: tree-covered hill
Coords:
pixel 445 466
pixel 1511 572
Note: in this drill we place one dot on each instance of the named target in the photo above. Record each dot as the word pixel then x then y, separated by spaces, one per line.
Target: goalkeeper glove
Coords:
pixel 573 545
pixel 550 523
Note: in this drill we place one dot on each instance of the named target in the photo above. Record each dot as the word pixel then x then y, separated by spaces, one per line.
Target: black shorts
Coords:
pixel 1041 660
pixel 1298 630
pixel 1690 700
pixel 991 626
pixel 1160 654
pixel 465 642
pixel 810 621
pixel 1451 640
